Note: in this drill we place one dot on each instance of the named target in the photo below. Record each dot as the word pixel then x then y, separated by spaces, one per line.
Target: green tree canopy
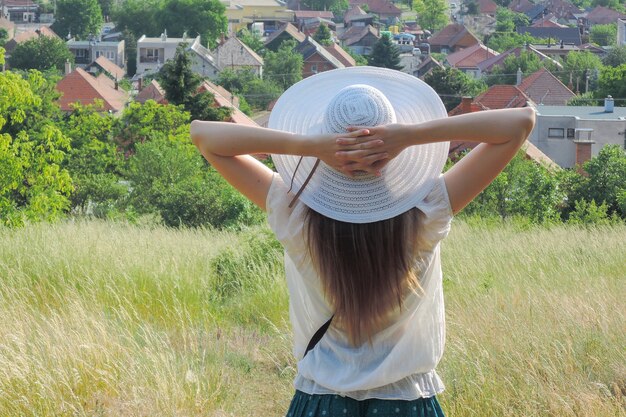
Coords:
pixel 451 84
pixel 284 67
pixel 508 20
pixel 323 35
pixel 244 83
pixel 579 65
pixel 41 53
pixel 252 39
pixel 612 82
pixel 431 14
pixel 138 16
pixel 33 184
pixel 78 17
pixel 177 78
pixel 385 54
pixel 507 72
pixel 616 56
pixel 603 35
pixel 4 36
pixel 503 41
pixel 195 17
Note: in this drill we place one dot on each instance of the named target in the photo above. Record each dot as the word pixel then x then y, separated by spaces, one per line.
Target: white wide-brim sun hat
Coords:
pixel 404 182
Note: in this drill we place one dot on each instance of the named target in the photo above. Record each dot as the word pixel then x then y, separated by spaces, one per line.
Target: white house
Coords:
pixel 561 131
pixel 153 52
pixel 621 31
pixel 87 51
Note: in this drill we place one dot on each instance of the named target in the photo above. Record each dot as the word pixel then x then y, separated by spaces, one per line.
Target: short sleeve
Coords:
pixel 436 215
pixel 285 222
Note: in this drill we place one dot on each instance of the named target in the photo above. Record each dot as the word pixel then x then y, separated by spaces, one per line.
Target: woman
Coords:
pixel 360 206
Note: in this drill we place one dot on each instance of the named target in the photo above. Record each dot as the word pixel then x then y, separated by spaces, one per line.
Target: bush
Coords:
pixel 590 213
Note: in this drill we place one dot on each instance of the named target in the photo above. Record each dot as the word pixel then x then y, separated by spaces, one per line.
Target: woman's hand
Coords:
pixel 358 150
pixel 329 149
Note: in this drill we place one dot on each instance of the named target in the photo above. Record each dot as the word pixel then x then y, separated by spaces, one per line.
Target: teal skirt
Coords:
pixel 308 405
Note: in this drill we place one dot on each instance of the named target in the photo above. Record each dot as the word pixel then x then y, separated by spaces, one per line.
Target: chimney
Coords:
pixel 466 105
pixel 583 149
pixel 519 76
pixel 608 104
pixel 68 67
pixel 140 84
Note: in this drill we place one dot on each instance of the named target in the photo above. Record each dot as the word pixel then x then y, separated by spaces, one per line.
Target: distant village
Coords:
pixel 564 136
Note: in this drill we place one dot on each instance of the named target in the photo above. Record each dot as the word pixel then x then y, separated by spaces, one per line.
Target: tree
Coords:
pixel 320 4
pixel 508 20
pixel 204 17
pixel 106 6
pixel 503 41
pixel 201 106
pixel 251 39
pixel 33 185
pixel 612 82
pixel 41 53
pixel 431 14
pixel 385 54
pixel 451 84
pixel 323 35
pixel 603 35
pixel 139 17
pixel 284 67
pixel 577 66
pixel 4 36
pixel 616 56
pixel 78 17
pixel 507 72
pixel 177 78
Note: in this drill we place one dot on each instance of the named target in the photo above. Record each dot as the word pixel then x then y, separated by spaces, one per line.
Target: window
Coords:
pixel 556 132
pixel 314 68
pixel 570 133
pixel 152 53
pixel 80 53
pixel 110 56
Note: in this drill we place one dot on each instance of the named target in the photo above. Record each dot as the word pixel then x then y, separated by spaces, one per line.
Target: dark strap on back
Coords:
pixel 318 335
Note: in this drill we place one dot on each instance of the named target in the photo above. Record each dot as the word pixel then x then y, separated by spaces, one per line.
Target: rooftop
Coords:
pixel 583 112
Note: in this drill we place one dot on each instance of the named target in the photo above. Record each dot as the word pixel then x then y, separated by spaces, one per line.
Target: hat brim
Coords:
pixel 404 182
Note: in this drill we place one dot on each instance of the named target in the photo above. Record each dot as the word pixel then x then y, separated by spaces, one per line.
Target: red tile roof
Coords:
pixel 220 94
pixel 341 55
pixel 115 72
pixel 450 35
pixel 487 6
pixel 502 97
pixel 80 86
pixel 152 91
pixel 603 15
pixel 546 22
pixel 544 88
pixel 378 6
pixel 471 56
pixel 28 35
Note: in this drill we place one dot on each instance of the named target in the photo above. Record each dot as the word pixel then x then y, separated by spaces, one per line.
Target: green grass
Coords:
pixel 106 319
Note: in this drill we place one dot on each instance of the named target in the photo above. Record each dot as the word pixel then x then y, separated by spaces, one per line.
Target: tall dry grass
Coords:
pixel 105 319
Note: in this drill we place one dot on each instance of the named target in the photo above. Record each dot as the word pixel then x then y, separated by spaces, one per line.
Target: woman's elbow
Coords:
pixel 527 122
pixel 195 132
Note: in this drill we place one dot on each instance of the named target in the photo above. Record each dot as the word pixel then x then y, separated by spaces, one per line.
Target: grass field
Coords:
pixel 106 319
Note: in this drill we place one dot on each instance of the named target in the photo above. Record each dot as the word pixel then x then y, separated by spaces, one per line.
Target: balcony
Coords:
pixel 150 60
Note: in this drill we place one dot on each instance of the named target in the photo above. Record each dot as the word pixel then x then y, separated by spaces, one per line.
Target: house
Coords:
pixel 221 100
pixel 152 91
pixel 487 7
pixel 571 134
pixel 341 55
pixel 386 11
pixel 467 59
pixel 566 35
pixel 300 17
pixel 309 26
pixel 502 97
pixel 621 31
pixel 360 39
pixel 286 32
pixel 233 53
pixel 19 11
pixel 104 66
pixel 601 16
pixel 536 12
pixel 451 39
pixel 316 58
pixel 426 66
pixel 153 52
pixel 488 65
pixel 28 35
pixel 87 51
pixel 79 86
pixel 356 16
pixel 521 6
pixel 543 88
pixel 564 10
pixel 242 13
pixel 548 21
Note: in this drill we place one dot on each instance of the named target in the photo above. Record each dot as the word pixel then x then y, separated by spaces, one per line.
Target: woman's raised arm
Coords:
pixel 226 146
pixel 501 133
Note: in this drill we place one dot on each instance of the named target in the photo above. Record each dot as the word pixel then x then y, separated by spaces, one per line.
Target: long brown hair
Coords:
pixel 365 269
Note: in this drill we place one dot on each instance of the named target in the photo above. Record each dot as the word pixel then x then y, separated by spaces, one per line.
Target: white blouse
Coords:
pixel 400 362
